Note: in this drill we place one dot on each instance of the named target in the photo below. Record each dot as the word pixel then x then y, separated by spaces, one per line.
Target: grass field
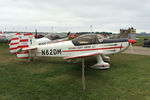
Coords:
pixel 141 40
pixel 56 79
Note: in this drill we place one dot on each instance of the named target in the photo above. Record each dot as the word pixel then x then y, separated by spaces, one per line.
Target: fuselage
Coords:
pixel 83 45
pixel 67 48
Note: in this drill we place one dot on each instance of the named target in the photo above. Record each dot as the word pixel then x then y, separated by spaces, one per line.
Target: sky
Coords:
pixel 74 15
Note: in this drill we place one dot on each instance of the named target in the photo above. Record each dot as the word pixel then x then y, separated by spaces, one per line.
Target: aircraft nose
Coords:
pixel 131 41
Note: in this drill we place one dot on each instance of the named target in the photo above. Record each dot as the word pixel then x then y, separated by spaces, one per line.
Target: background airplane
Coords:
pixel 6 37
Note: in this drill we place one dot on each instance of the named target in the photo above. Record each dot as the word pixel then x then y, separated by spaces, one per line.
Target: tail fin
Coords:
pixel 14 43
pixel 26 43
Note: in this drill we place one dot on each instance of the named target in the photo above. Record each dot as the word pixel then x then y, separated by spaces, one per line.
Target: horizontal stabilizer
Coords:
pixel 32 48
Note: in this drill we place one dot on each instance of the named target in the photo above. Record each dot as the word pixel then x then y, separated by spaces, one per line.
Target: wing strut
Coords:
pixel 83 74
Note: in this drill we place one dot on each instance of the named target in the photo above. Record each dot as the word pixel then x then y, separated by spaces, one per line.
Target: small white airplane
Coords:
pixel 80 47
pixel 19 37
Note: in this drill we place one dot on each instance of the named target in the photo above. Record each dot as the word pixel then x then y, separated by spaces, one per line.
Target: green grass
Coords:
pixel 56 79
pixel 140 41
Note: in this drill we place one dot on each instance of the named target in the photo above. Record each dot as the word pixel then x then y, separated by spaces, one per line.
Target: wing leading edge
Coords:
pixel 84 55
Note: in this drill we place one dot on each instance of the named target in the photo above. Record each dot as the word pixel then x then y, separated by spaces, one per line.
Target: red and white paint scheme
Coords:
pixel 14 43
pixel 80 47
pixel 20 41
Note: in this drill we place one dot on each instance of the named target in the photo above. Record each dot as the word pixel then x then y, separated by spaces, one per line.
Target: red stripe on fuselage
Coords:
pixel 92 49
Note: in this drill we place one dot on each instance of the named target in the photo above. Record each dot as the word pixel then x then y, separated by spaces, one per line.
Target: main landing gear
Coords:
pixel 100 62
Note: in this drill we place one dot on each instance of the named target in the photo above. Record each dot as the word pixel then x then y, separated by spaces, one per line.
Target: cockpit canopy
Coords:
pixel 53 36
pixel 87 39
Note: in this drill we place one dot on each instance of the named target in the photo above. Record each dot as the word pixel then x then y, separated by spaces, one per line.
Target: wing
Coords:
pixel 84 55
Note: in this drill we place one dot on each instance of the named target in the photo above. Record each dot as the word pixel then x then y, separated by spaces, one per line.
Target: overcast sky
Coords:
pixel 74 15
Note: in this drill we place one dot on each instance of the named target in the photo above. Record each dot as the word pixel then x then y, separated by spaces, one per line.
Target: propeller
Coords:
pixel 131 41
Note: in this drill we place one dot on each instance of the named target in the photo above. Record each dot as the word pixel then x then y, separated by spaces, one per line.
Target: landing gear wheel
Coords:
pixel 100 63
